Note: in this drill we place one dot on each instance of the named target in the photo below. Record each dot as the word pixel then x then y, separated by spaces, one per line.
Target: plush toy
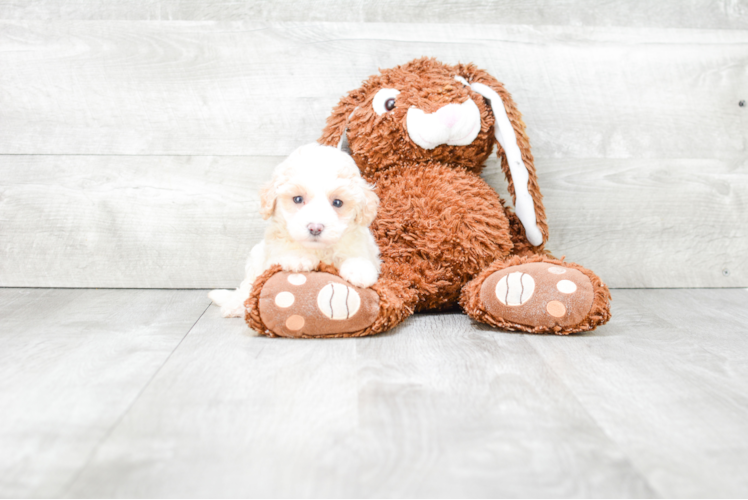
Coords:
pixel 421 133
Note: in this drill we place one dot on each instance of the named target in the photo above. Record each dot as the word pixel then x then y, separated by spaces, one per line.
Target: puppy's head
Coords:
pixel 318 195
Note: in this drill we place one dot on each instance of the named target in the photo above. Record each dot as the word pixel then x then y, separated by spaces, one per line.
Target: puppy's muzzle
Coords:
pixel 315 229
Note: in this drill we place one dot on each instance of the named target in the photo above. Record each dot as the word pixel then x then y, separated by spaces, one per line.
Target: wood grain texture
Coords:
pixel 252 88
pixel 190 222
pixel 236 415
pixel 647 223
pixel 451 408
pixel 667 381
pixel 714 14
pixel 652 404
pixel 638 135
pixel 437 408
pixel 71 363
pixel 125 221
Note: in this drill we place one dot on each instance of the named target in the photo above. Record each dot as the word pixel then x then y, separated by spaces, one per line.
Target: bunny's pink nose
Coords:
pixel 315 229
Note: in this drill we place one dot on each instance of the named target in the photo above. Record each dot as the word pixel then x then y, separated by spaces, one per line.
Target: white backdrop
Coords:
pixel 134 136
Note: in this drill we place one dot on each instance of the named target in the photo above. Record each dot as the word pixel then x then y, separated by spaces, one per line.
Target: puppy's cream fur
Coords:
pixel 306 227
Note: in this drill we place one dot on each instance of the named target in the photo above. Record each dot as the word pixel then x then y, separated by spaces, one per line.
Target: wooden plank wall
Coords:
pixel 134 135
pixel 706 14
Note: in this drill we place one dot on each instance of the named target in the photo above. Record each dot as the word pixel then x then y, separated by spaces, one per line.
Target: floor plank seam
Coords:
pixel 641 475
pixel 65 491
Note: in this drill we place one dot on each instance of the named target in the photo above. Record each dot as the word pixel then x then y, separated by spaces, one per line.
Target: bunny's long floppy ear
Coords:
pixel 334 133
pixel 514 150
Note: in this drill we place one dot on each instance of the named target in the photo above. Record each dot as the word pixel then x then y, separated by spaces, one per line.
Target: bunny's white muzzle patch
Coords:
pixel 453 124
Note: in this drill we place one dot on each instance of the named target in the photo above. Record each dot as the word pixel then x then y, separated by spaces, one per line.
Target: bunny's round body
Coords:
pixel 421 133
pixel 438 226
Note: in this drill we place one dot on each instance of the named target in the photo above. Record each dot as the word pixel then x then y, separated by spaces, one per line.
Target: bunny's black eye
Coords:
pixel 337 203
pixel 384 101
pixel 298 199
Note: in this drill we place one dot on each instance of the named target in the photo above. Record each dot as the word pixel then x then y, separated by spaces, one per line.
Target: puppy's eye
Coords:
pixel 298 199
pixel 337 203
pixel 384 101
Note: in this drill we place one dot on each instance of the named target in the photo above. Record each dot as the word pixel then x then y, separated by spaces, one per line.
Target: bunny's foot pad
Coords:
pixel 538 294
pixel 547 296
pixel 315 304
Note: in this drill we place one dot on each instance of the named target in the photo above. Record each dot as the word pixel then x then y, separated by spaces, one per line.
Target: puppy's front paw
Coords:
pixel 296 264
pixel 359 272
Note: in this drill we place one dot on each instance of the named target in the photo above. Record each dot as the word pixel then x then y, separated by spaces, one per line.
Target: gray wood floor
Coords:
pixel 151 393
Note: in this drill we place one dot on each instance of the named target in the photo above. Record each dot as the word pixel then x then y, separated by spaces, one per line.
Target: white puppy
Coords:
pixel 320 210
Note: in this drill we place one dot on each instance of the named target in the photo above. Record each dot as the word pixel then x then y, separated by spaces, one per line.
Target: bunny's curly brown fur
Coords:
pixel 440 225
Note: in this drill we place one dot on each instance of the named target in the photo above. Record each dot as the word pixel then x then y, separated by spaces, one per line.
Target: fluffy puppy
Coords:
pixel 320 210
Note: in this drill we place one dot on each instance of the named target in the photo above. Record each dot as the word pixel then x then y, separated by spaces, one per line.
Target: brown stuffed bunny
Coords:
pixel 421 133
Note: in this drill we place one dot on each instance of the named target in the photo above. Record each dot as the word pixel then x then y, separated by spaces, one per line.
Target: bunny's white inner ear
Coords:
pixel 462 80
pixel 524 206
pixel 343 143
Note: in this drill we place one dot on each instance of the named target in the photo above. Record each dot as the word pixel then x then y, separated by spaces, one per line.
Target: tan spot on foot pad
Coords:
pixel 295 304
pixel 295 322
pixel 555 309
pixel 535 295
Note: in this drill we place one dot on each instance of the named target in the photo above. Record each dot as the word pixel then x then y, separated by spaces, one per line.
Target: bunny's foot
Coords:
pixel 320 304
pixel 537 294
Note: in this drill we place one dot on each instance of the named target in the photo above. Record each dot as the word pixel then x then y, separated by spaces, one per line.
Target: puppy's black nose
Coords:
pixel 315 229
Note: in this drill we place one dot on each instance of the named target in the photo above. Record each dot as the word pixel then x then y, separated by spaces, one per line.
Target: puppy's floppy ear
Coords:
pixel 514 149
pixel 333 133
pixel 268 197
pixel 366 213
pixel 269 192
